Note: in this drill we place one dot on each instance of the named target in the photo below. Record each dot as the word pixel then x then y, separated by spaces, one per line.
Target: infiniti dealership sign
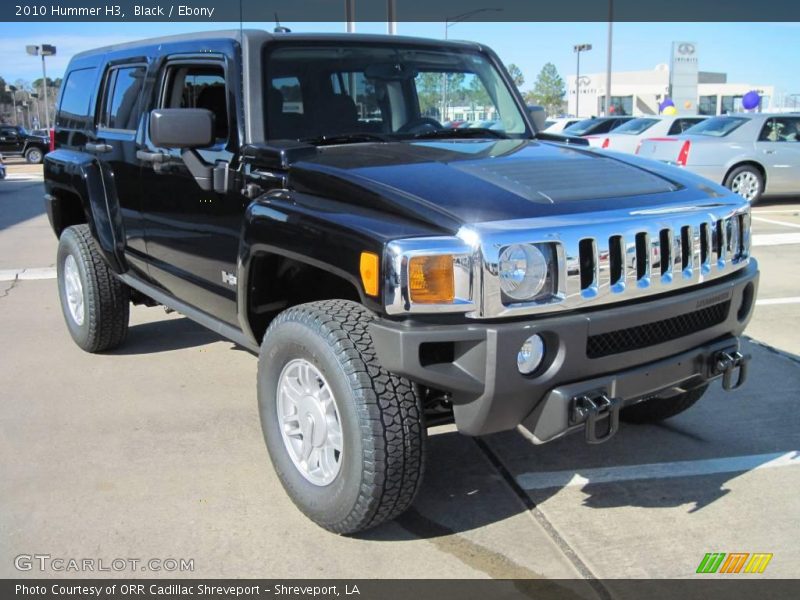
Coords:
pixel 683 77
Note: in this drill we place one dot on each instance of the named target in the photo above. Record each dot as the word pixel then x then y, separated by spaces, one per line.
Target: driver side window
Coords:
pixel 199 86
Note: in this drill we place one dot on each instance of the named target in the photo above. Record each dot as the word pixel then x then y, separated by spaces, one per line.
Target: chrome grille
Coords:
pixel 620 255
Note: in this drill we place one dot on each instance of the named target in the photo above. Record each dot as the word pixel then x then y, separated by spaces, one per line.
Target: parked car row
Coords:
pixel 752 154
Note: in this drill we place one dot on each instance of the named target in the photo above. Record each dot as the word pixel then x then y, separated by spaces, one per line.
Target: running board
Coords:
pixel 198 316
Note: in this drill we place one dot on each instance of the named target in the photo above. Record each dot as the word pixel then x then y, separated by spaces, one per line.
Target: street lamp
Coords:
pixel 448 23
pixel 578 48
pixel 43 50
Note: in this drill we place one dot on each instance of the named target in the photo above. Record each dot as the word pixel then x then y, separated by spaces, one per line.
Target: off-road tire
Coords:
pixel 34 155
pixel 654 410
pixel 381 416
pixel 106 299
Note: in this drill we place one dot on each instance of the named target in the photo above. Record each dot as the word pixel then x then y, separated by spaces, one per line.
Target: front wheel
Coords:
pixel 346 437
pixel 654 410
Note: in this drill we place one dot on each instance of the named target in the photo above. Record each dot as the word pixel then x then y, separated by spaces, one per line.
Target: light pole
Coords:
pixel 448 23
pixel 578 48
pixel 608 55
pixel 43 50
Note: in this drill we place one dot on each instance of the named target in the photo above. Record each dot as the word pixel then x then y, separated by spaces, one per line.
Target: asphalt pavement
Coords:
pixel 155 451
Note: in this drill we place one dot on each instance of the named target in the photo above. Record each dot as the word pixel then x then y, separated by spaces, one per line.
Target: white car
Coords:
pixel 559 124
pixel 628 136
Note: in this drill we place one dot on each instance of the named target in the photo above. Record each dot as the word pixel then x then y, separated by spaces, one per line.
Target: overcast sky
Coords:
pixel 752 53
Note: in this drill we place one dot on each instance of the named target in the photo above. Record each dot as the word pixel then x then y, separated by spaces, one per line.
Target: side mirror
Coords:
pixel 538 116
pixel 182 127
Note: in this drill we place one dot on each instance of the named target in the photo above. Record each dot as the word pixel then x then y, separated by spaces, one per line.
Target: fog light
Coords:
pixel 530 355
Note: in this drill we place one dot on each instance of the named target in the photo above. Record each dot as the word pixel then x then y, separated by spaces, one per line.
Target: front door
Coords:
pixel 193 234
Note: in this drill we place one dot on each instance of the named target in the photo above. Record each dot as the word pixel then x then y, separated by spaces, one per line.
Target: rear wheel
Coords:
pixel 34 155
pixel 346 437
pixel 654 410
pixel 95 303
pixel 746 181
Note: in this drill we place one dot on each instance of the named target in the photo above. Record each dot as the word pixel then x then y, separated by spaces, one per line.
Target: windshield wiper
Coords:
pixel 467 132
pixel 345 138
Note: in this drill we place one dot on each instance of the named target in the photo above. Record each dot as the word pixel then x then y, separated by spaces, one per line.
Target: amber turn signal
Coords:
pixel 430 279
pixel 369 273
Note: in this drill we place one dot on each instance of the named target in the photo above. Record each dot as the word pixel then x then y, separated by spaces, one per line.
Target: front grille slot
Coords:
pixel 658 332
pixel 686 247
pixel 587 252
pixel 665 247
pixel 642 255
pixel 616 260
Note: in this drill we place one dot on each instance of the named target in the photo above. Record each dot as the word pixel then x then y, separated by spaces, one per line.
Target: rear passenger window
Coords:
pixel 200 86
pixel 121 97
pixel 76 95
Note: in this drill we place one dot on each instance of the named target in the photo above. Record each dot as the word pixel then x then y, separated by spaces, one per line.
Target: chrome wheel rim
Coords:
pixel 73 289
pixel 309 422
pixel 746 185
pixel 34 156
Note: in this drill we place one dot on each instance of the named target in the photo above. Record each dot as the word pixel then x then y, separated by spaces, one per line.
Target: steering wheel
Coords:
pixel 420 125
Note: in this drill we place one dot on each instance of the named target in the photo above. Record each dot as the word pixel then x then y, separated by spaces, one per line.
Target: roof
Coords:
pixel 262 35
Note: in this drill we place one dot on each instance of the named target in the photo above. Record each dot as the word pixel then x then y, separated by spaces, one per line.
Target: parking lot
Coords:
pixel 155 451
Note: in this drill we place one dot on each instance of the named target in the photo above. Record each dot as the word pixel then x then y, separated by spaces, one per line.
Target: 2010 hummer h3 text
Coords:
pixel 315 198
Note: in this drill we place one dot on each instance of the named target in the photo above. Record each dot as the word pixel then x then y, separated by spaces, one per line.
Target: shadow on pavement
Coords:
pixel 462 493
pixel 164 336
pixel 20 200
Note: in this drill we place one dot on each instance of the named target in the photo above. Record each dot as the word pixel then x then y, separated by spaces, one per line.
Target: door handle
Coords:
pixel 769 151
pixel 153 157
pixel 99 147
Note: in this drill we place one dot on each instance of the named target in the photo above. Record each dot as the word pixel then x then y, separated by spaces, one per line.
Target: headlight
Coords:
pixel 522 271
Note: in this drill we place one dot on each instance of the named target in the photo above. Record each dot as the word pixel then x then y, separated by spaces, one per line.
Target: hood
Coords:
pixel 473 181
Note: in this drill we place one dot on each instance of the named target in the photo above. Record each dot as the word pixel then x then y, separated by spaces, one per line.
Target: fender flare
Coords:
pixel 274 225
pixel 84 176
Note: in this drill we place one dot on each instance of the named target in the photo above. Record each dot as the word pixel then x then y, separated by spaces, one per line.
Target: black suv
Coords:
pixel 15 140
pixel 299 195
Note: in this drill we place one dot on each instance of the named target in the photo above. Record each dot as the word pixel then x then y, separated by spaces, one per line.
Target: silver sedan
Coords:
pixel 752 154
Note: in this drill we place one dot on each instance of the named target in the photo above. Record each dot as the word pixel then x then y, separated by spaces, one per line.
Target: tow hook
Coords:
pixel 596 409
pixel 727 363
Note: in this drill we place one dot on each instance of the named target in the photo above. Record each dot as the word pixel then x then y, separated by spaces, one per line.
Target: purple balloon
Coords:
pixel 667 102
pixel 751 100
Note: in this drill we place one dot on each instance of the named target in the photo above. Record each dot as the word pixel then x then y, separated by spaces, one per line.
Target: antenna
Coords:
pixel 280 28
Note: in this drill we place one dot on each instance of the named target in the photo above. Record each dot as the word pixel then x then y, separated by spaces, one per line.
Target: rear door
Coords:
pixel 117 121
pixel 778 148
pixel 193 234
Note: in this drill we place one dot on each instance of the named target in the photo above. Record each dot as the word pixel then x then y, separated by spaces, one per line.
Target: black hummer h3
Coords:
pixel 16 140
pixel 311 198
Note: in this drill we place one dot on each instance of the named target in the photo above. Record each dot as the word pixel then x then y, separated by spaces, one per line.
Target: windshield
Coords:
pixel 716 126
pixel 349 92
pixel 636 126
pixel 581 127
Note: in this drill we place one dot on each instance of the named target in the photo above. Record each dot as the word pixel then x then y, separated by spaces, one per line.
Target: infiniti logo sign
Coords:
pixel 686 48
pixel 583 80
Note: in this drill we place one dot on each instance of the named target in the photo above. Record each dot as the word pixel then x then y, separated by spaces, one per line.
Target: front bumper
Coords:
pixel 477 363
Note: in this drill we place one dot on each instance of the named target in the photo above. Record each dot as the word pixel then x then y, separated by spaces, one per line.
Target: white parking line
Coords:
pixel 686 468
pixel 23 177
pixel 773 301
pixel 775 239
pixel 28 274
pixel 774 222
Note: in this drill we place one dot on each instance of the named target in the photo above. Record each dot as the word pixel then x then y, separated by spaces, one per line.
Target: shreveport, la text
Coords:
pixel 177 589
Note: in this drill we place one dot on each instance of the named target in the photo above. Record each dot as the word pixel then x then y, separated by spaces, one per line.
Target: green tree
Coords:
pixel 549 90
pixel 516 75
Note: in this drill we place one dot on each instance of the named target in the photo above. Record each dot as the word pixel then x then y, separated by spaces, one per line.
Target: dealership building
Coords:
pixel 640 92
